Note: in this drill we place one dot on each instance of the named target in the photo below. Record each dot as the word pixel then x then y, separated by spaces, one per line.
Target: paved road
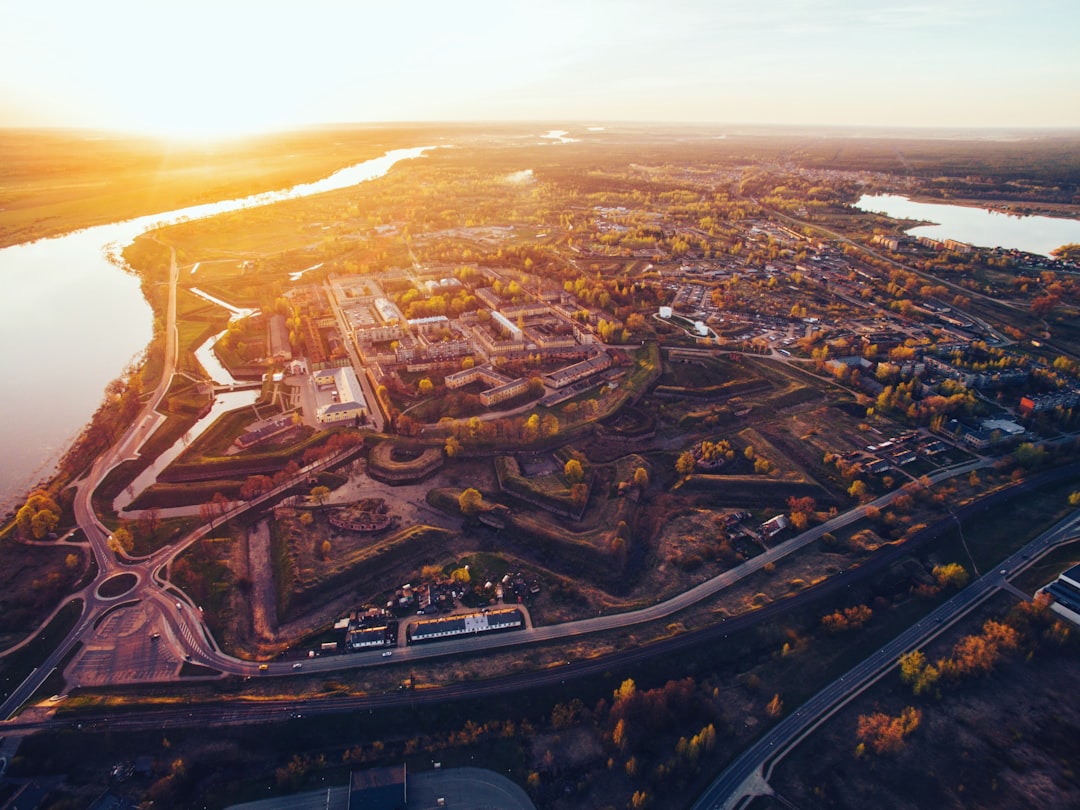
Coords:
pixel 747 776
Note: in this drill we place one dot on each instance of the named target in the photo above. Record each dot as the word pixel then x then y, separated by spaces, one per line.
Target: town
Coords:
pixel 538 411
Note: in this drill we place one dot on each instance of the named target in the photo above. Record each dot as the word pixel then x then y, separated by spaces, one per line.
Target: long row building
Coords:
pixel 468 624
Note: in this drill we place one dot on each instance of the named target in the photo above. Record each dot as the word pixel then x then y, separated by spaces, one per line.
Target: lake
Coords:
pixel 76 320
pixel 976 226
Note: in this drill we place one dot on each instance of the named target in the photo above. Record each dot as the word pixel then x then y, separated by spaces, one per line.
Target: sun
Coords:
pixel 205 122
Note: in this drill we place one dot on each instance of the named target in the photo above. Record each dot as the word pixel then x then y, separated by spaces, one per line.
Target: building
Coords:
pixel 774 525
pixel 279 339
pixel 1039 403
pixel 466 625
pixel 340 396
pixel 378 789
pixel 578 371
pixel 264 429
pixel 1065 591
pixel 366 638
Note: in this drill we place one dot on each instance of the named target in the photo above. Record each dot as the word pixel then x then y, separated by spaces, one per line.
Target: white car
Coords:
pixel 387 653
pixel 297 665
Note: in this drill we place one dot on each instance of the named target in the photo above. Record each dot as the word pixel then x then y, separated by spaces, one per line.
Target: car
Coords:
pixel 187 657
pixel 155 636
pixel 297 665
pixel 387 653
pixel 1003 571
pixel 263 667
pixel 179 606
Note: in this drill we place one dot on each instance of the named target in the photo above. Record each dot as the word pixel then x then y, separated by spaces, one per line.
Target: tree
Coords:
pixel 452 447
pixel 43 522
pixel 254 486
pixel 71 561
pixel 579 493
pixel 618 736
pixel 951 574
pixel 325 549
pixel 774 707
pixel 641 478
pixel 917 673
pixel 320 494
pixel 38 516
pixel 885 734
pixel 549 425
pixel 122 540
pixel 573 471
pixel 470 501
pixel 532 427
pixel 425 387
pixel 686 462
pixel 857 489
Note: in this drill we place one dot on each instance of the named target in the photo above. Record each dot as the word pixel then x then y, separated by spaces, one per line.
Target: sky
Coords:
pixel 209 67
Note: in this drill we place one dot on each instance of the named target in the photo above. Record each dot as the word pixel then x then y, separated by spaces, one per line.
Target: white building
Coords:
pixel 339 395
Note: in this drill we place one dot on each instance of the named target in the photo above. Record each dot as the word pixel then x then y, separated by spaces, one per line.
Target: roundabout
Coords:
pixel 116 586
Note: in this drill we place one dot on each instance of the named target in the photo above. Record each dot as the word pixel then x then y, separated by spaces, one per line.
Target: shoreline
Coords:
pixel 1065 211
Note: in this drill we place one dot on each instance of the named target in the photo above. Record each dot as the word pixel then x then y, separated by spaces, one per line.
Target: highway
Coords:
pixel 748 775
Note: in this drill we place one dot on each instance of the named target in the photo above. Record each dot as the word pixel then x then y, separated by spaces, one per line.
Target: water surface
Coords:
pixel 76 320
pixel 977 226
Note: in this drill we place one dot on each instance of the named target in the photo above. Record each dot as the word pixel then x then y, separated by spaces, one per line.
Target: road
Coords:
pixel 748 775
pixel 276 711
pixel 378 420
pixel 189 637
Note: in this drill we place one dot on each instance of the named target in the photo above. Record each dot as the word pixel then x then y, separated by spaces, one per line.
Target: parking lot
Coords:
pixel 122 650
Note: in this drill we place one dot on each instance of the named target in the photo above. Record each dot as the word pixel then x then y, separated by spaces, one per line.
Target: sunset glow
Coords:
pixel 198 68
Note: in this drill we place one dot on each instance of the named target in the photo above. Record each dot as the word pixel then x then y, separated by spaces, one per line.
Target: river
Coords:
pixel 77 320
pixel 977 226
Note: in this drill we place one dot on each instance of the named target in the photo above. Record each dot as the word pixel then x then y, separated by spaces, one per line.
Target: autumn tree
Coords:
pixel 684 465
pixel 774 706
pixel 851 618
pixel 579 493
pixel 255 485
pixel 38 516
pixel 573 471
pixel 452 447
pixel 885 734
pixel 641 478
pixel 951 574
pixel 470 501
pixel 324 549
pixel 122 540
pixel 425 387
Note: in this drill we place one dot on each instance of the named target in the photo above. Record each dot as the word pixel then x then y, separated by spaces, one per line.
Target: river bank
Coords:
pixel 57 182
pixel 90 323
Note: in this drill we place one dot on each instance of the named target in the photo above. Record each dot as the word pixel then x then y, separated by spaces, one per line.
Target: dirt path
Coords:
pixel 263 600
